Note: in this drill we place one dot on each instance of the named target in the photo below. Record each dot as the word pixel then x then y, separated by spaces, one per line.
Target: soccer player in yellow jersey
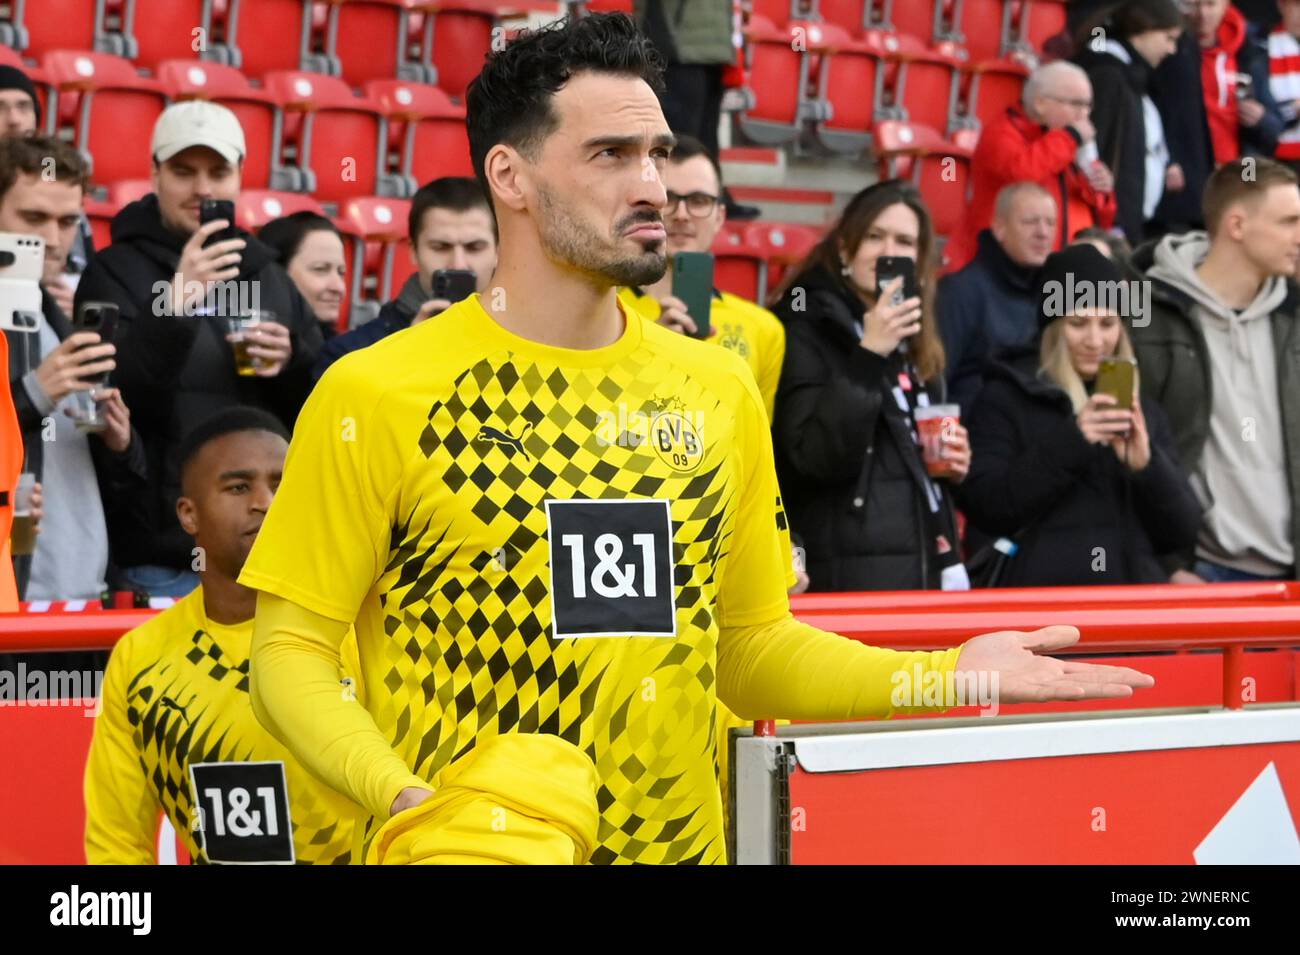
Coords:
pixel 176 734
pixel 693 217
pixel 556 527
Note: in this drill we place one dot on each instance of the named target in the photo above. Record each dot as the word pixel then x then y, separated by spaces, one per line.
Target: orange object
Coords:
pixel 11 465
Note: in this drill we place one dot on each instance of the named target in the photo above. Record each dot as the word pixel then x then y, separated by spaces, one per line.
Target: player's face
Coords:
pixel 184 181
pixel 51 210
pixel 599 181
pixel 451 239
pixel 228 489
pixel 693 178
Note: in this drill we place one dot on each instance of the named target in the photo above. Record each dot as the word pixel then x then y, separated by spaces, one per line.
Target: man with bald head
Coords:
pixel 1047 139
pixel 992 303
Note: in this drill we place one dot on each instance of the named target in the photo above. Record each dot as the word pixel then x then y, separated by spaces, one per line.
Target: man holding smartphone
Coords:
pixel 86 479
pixel 693 217
pixel 451 231
pixel 177 284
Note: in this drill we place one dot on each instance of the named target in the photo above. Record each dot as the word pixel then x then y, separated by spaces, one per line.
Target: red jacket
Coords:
pixel 1218 63
pixel 1014 148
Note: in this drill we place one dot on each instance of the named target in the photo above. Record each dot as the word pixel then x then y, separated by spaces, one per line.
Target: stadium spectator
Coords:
pixel 459 531
pixel 1090 492
pixel 695 39
pixel 1284 79
pixel 1130 133
pixel 1218 352
pixel 1048 139
pixel 1222 56
pixel 20 115
pixel 991 303
pixel 310 248
pixel 176 287
pixel 693 217
pixel 856 366
pixel 451 226
pixel 230 465
pixel 90 480
pixel 1115 247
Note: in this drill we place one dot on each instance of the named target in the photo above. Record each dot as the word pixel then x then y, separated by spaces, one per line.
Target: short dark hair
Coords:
pixel 510 100
pixel 688 147
pixel 1141 16
pixel 29 155
pixel 285 234
pixel 224 422
pixel 456 193
pixel 1239 180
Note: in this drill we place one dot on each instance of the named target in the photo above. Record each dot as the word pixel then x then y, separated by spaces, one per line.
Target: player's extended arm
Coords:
pixel 297 696
pixel 121 813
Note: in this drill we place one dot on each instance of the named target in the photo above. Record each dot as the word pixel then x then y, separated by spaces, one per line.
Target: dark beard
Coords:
pixel 571 242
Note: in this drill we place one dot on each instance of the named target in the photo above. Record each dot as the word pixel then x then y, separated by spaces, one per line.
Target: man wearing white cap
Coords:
pixel 177 282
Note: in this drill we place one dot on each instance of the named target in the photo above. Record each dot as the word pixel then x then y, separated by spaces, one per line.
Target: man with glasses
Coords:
pixel 1050 140
pixel 693 216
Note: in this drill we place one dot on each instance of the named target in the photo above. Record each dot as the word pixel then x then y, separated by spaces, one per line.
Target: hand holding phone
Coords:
pixel 693 285
pixel 896 315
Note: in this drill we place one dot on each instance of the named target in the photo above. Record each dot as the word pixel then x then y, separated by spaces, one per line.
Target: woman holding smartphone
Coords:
pixel 1069 464
pixel 859 363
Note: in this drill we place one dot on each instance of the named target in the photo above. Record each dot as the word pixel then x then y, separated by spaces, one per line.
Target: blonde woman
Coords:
pixel 1091 492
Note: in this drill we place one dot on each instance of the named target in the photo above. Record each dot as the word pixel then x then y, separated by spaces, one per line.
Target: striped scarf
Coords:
pixel 1284 84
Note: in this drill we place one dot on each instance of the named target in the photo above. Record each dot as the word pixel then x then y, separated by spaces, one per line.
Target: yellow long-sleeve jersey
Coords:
pixel 530 539
pixel 177 734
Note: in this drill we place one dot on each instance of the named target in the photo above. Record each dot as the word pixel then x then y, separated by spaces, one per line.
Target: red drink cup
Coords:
pixel 932 423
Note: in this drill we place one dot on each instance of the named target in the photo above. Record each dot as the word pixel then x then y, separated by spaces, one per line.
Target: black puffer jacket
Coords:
pixel 852 477
pixel 1085 518
pixel 175 371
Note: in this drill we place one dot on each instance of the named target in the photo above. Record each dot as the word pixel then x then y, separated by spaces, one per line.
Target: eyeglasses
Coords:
pixel 1076 103
pixel 698 204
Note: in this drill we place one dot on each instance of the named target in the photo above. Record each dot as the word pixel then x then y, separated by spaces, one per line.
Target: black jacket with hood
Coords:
pixel 176 371
pixel 852 477
pixel 1078 513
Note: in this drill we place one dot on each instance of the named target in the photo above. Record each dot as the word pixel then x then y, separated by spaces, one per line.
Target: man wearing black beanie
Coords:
pixel 20 109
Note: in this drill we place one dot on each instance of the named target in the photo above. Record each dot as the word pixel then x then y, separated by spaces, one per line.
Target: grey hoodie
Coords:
pixel 1242 474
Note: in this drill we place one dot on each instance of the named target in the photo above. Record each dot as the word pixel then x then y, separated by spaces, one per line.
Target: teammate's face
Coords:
pixel 688 233
pixel 227 490
pixel 451 239
pixel 598 181
pixel 184 181
pixel 51 210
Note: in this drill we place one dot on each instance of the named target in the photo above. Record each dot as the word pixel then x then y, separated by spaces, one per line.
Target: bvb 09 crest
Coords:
pixel 677 441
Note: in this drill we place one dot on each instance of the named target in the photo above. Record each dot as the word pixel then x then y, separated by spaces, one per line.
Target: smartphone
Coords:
pixel 890 267
pixel 1243 84
pixel 212 209
pixel 98 317
pixel 693 284
pixel 454 285
pixel 1116 377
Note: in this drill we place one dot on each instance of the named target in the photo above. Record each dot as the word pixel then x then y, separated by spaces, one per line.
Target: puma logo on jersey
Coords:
pixel 167 703
pixel 503 439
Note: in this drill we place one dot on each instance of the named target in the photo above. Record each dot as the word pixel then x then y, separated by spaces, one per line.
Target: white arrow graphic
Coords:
pixel 1257 830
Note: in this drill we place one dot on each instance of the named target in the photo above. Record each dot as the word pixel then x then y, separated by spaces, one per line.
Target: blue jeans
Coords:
pixel 1218 574
pixel 160 581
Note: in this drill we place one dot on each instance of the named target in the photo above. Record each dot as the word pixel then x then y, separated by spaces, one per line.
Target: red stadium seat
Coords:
pixel 40 26
pixel 993 85
pixel 341 138
pixel 924 20
pixel 115 110
pixel 257 111
pixel 273 35
pixel 376 230
pixel 855 16
pixel 779 70
pixel 1040 20
pixel 987 28
pixel 126 191
pixel 426 127
pixel 779 12
pixel 370 39
pixel 99 213
pixel 256 207
pixel 782 245
pixel 459 35
pixel 939 167
pixel 166 29
pixel 851 81
pixel 738 267
pixel 923 82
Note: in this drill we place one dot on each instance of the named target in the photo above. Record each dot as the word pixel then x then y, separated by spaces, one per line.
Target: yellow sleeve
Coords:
pixel 790 669
pixel 325 538
pixel 121 811
pixel 295 691
pixel 771 357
